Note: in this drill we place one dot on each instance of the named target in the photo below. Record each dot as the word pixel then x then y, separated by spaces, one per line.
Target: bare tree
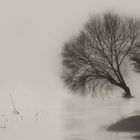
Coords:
pixel 95 59
pixel 136 61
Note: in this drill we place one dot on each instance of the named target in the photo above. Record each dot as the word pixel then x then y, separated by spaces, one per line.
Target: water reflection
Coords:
pixel 87 118
pixel 137 137
pixel 73 118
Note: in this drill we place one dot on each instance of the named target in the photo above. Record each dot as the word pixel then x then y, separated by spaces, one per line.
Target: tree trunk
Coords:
pixel 127 93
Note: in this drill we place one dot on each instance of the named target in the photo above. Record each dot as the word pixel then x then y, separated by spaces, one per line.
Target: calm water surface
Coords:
pixel 87 119
pixel 73 118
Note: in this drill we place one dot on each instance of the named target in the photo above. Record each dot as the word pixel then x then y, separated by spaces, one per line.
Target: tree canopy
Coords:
pixel 94 59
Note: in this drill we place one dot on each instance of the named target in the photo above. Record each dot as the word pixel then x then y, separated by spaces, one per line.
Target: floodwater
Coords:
pixel 87 119
pixel 71 118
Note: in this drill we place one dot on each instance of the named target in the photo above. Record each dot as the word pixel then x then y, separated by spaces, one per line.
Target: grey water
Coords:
pixel 87 119
pixel 71 118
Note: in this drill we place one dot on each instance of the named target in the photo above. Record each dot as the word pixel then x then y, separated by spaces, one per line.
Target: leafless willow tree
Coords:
pixel 96 57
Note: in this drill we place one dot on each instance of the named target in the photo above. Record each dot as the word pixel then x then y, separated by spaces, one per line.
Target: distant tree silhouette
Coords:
pixel 136 61
pixel 95 59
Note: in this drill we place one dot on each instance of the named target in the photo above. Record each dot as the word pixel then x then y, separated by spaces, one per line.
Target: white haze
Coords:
pixel 32 34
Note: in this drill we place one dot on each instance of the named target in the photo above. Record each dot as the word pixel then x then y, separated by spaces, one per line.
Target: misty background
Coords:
pixel 32 34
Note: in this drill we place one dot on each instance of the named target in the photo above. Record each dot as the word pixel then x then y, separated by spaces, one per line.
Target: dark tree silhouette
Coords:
pixel 94 60
pixel 136 61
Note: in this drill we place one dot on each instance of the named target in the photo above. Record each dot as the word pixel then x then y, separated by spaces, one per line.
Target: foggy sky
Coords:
pixel 32 33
